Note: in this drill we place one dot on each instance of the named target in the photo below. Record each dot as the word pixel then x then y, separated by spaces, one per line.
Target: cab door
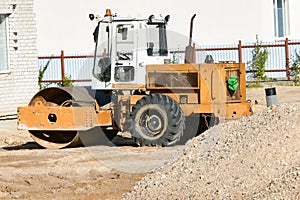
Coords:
pixel 124 54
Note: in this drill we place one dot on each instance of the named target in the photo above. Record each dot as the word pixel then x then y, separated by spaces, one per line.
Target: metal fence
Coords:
pixel 78 68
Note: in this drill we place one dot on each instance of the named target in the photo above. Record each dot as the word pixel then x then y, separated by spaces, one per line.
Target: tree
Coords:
pixel 67 81
pixel 259 61
pixel 42 71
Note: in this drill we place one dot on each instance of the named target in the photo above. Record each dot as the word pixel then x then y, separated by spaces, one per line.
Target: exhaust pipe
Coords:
pixel 189 50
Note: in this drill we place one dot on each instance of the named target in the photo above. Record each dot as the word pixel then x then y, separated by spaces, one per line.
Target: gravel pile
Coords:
pixel 256 157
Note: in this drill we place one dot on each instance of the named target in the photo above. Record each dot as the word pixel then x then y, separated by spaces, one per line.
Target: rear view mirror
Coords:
pixel 92 17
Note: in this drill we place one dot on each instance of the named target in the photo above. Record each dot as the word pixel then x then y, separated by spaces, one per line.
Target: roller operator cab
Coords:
pixel 124 46
pixel 135 89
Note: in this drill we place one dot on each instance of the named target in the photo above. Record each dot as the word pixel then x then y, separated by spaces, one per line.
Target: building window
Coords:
pixel 3 43
pixel 281 18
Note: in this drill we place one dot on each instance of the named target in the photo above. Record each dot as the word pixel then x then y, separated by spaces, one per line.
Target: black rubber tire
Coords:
pixel 156 120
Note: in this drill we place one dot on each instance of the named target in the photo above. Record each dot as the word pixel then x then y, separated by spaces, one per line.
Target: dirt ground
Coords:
pixel 28 171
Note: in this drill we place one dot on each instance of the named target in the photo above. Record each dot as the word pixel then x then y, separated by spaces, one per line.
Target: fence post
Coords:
pixel 62 58
pixel 240 51
pixel 287 59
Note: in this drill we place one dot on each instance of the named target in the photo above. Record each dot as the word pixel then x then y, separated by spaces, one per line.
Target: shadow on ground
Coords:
pixel 28 145
pixel 117 141
pixel 194 127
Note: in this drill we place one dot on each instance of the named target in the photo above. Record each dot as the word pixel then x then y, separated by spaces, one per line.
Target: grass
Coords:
pixel 254 85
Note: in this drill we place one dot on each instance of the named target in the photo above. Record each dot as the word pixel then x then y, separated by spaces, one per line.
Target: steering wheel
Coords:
pixel 123 56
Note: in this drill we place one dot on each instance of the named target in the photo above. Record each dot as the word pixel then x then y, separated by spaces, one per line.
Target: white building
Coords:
pixel 217 21
pixel 226 22
pixel 18 55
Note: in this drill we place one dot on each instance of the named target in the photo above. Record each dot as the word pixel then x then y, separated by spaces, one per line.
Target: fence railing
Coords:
pixel 280 57
pixel 78 68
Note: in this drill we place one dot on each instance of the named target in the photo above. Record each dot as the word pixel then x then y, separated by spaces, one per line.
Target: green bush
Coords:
pixel 295 69
pixel 67 82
